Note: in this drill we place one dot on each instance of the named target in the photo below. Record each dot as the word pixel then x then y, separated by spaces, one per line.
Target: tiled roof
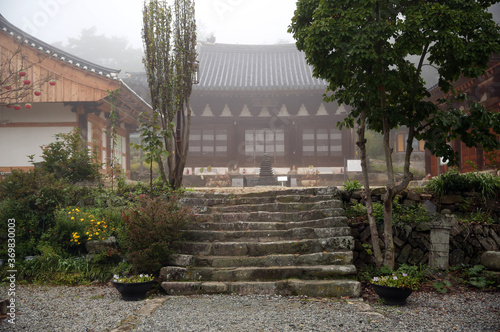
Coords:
pixel 255 67
pixel 55 52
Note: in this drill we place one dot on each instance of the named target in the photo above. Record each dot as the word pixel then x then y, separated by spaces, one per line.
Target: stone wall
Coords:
pixel 412 242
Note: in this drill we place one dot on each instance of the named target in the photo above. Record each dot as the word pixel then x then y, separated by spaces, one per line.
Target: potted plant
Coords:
pixel 395 288
pixel 133 288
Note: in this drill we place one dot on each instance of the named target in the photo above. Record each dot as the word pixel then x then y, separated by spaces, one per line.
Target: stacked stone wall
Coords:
pixel 412 242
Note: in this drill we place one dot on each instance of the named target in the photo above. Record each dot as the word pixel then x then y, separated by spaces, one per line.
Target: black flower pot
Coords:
pixel 392 295
pixel 133 291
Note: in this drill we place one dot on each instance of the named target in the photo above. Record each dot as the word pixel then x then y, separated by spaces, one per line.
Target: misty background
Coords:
pixel 109 32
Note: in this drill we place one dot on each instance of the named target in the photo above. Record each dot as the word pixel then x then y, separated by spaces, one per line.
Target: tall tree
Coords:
pixel 362 49
pixel 170 60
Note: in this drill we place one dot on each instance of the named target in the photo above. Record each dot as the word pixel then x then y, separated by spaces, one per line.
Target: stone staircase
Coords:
pixel 290 242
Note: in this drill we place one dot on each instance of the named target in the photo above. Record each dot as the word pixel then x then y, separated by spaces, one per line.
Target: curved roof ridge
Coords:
pixel 55 52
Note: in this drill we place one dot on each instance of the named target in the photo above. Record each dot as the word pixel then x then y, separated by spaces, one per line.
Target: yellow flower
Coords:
pixel 69 212
pixel 82 219
pixel 72 218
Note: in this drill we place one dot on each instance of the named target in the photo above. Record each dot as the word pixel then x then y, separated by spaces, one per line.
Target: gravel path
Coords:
pixel 99 308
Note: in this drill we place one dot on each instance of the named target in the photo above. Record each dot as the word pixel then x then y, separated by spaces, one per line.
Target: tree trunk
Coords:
pixel 389 195
pixel 377 253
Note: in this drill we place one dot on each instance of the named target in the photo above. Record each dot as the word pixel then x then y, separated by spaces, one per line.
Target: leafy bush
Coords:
pixel 31 198
pixel 401 214
pixel 485 184
pixel 150 232
pixel 352 186
pixel 69 158
pixel 74 226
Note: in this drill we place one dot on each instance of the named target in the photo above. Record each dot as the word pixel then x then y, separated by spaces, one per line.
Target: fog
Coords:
pixel 118 23
pixel 231 21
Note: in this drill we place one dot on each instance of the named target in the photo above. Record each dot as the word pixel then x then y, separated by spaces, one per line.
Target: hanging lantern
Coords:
pixel 17 107
pixel 28 105
pixel 37 92
pixel 27 82
pixel 52 82
pixel 22 73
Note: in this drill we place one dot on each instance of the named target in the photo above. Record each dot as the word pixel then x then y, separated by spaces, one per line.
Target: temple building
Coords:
pixel 485 90
pixel 57 93
pixel 254 100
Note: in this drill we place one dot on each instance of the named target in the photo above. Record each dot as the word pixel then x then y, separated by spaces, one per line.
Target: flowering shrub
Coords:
pixel 405 277
pixel 133 279
pixel 93 228
pixel 399 280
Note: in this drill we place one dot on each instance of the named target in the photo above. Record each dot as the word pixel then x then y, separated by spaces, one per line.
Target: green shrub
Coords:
pixel 485 184
pixel 32 198
pixel 150 232
pixel 352 186
pixel 401 214
pixel 69 158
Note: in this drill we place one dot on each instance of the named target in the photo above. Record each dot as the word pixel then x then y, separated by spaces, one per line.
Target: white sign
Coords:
pixel 354 165
pixel 282 178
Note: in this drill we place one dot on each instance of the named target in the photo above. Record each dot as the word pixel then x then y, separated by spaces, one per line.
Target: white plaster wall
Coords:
pixel 16 144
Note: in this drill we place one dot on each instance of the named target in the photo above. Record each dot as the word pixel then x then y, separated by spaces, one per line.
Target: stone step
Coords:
pixel 306 246
pixel 277 207
pixel 252 200
pixel 295 287
pixel 270 216
pixel 253 273
pixel 305 192
pixel 270 225
pixel 320 258
pixel 266 235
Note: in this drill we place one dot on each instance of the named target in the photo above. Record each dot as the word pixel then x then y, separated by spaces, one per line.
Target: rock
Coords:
pixel 416 256
pixel 405 253
pixel 409 202
pixel 457 229
pixel 413 195
pixel 398 242
pixel 450 199
pixel 408 230
pixel 357 194
pixel 423 227
pixel 495 237
pixel 478 230
pixel 3 307
pixel 365 234
pixel 457 257
pixel 97 246
pixel 378 191
pixel 487 243
pixel 491 260
pixel 430 207
pixel 181 260
pixel 174 273
pixel 425 197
